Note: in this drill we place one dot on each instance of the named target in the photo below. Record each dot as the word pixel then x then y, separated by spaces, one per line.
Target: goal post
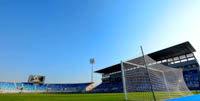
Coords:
pixel 153 82
pixel 131 83
pixel 123 81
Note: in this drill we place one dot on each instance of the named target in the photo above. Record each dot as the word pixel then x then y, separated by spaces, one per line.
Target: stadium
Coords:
pixel 169 73
pixel 178 56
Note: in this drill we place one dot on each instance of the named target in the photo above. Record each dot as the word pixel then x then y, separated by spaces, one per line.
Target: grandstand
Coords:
pixel 178 56
pixel 12 87
pixel 35 85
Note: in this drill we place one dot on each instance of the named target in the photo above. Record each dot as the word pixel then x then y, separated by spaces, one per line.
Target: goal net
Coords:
pixel 153 82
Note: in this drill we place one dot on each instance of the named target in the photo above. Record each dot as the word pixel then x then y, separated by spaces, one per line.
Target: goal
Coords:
pixel 151 82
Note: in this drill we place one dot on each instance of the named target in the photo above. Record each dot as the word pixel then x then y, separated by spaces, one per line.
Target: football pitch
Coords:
pixel 81 97
pixel 62 97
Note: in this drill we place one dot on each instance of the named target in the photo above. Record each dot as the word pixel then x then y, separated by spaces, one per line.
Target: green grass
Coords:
pixel 61 97
pixel 85 97
pixel 160 96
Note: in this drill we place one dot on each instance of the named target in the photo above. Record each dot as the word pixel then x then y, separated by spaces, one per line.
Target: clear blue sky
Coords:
pixel 56 38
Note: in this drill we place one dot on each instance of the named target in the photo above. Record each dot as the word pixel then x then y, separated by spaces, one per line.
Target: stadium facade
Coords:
pixel 178 56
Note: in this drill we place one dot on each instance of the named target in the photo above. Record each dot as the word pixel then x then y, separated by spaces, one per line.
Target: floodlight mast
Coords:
pixel 92 61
